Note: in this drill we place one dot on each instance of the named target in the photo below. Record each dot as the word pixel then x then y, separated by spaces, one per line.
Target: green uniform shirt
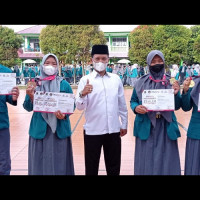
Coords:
pixel 4 118
pixel 194 125
pixel 142 123
pixel 38 125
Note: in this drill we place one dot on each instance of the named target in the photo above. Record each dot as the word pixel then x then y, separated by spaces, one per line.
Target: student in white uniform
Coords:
pixel 101 95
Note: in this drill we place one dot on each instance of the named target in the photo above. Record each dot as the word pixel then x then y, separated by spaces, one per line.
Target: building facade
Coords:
pixel 31 47
pixel 118 44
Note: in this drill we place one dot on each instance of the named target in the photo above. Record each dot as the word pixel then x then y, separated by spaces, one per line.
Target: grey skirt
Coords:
pixel 158 155
pixel 192 157
pixel 5 161
pixel 50 156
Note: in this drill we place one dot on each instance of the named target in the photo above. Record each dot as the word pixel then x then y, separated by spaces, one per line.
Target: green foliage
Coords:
pixel 77 40
pixel 190 56
pixel 10 42
pixel 141 39
pixel 173 41
pixel 195 31
pixel 193 49
pixel 196 52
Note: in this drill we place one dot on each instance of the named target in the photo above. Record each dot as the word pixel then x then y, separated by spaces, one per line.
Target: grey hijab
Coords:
pixel 196 90
pixel 145 83
pixel 49 86
pixel 16 68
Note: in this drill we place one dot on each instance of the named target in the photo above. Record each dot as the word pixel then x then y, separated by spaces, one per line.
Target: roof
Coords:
pixel 117 28
pixel 116 33
pixel 33 30
pixel 105 28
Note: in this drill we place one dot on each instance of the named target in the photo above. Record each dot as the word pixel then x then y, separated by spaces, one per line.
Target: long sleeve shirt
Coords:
pixel 4 118
pixel 38 125
pixel 105 108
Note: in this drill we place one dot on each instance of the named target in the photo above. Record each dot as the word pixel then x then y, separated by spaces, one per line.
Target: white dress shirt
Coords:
pixel 105 107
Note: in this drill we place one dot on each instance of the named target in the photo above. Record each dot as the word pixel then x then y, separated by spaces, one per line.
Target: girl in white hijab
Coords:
pixel 174 73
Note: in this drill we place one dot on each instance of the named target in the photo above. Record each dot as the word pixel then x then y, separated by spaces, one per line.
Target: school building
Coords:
pixel 31 49
pixel 118 44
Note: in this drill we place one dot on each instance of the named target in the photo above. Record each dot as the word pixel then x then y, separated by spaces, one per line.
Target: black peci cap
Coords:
pixel 99 49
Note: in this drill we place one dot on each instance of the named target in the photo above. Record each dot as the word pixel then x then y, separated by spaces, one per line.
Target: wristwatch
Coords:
pixel 80 94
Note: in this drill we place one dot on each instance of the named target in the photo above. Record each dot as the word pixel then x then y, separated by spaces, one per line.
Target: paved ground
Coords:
pixel 19 125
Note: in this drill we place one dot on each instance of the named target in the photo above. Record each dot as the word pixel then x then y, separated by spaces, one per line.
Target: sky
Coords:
pixel 18 27
pixel 105 28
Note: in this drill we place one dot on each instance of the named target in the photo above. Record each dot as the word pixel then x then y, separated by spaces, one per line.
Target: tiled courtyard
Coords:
pixel 19 125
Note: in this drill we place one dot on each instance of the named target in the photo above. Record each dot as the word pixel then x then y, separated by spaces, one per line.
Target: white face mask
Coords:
pixel 49 70
pixel 100 66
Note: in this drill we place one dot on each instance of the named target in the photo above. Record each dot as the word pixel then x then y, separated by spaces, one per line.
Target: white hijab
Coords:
pixel 174 70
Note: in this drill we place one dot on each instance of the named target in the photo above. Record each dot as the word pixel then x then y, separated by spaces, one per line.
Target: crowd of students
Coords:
pixel 25 74
pixel 128 73
pixel 100 94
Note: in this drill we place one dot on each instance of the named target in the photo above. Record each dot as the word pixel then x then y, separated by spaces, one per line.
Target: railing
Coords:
pixel 118 49
pixel 32 49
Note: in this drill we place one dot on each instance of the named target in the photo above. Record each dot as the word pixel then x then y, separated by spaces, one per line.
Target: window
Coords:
pixel 107 41
pixel 34 44
pixel 119 41
pixel 35 40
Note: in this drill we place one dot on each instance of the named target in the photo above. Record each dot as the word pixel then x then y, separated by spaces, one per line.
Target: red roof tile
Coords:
pixel 35 29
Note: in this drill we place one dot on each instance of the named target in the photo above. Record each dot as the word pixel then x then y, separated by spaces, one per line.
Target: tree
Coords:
pixel 71 43
pixel 141 41
pixel 196 47
pixel 173 41
pixel 10 42
pixel 193 50
pixel 190 53
pixel 195 31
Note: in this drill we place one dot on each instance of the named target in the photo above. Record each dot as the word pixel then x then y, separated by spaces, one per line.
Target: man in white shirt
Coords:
pixel 101 95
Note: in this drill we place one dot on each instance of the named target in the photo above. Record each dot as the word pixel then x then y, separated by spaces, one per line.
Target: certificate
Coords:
pixel 158 100
pixel 51 102
pixel 7 82
pixel 199 103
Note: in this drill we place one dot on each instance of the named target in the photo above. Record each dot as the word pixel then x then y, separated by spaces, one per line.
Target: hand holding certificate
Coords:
pixel 51 102
pixel 158 100
pixel 7 83
pixel 141 109
pixel 60 115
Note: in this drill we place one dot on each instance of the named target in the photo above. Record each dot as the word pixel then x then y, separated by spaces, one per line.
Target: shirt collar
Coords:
pixel 95 73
